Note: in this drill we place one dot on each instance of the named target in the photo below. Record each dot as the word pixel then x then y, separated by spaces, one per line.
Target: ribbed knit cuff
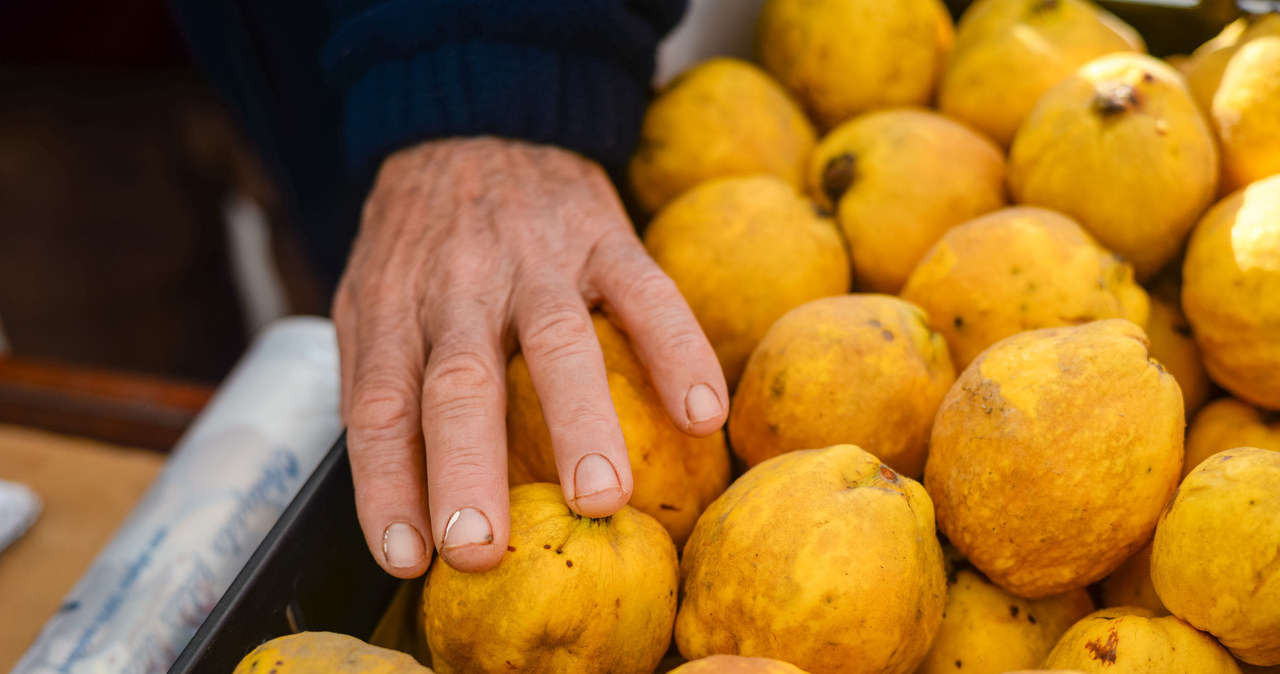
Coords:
pixel 578 101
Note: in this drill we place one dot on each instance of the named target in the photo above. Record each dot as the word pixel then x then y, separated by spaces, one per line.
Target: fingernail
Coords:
pixel 402 546
pixel 701 404
pixel 468 526
pixel 595 480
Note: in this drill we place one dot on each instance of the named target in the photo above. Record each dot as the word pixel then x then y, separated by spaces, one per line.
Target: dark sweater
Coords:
pixel 326 95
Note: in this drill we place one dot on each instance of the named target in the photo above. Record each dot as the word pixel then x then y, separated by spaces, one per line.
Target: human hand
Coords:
pixel 468 247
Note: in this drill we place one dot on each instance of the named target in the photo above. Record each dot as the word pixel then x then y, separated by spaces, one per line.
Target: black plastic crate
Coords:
pixel 313 571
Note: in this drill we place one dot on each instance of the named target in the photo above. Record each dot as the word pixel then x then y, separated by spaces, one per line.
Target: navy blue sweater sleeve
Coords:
pixel 572 73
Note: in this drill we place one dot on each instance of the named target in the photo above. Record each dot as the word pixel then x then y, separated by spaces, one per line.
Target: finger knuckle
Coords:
pixel 655 296
pixel 460 384
pixel 684 341
pixel 465 470
pixel 558 331
pixel 387 473
pixel 601 419
pixel 383 409
pixel 650 290
pixel 453 405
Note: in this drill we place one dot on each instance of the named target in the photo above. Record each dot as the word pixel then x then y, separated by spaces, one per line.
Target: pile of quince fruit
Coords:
pixel 999 302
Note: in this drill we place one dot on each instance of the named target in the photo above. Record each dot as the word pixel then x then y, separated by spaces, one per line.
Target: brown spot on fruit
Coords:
pixel 1111 99
pixel 1044 6
pixel 888 474
pixel 958 322
pixel 1104 652
pixel 778 386
pixel 667 506
pixel 550 641
pixel 888 336
pixel 568 563
pixel 511 548
pixel 1031 618
pixel 959 665
pixel 1013 611
pixel 838 176
pixel 547 546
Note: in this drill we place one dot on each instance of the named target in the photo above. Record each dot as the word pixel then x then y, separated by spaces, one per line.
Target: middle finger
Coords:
pixel 464 431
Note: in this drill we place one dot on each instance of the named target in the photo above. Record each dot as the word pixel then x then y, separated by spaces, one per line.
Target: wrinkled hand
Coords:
pixel 468 247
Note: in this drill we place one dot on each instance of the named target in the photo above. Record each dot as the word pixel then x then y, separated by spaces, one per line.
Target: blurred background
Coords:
pixel 138 230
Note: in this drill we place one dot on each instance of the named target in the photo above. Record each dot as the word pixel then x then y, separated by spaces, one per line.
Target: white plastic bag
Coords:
pixel 231 475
